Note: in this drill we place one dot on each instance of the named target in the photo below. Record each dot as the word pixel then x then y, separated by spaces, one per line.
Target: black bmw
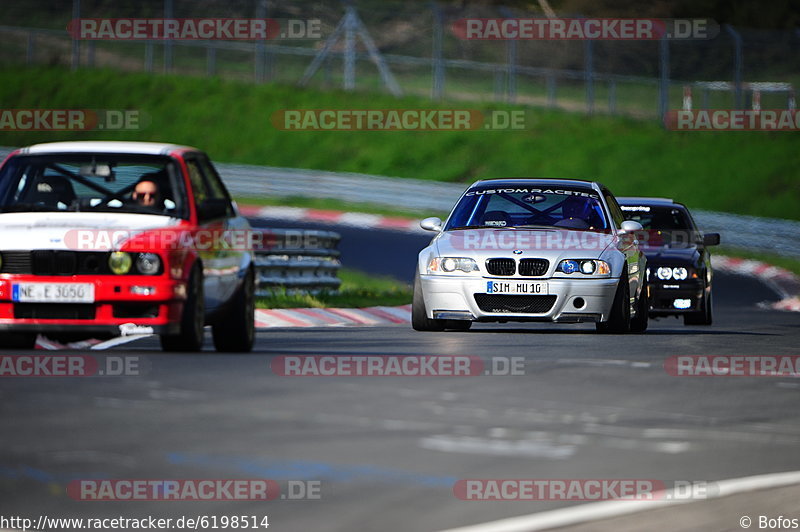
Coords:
pixel 678 262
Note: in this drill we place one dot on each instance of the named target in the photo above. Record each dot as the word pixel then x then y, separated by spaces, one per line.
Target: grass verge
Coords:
pixel 357 290
pixel 741 172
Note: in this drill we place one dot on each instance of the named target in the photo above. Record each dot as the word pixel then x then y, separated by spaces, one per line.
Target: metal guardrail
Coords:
pixel 772 235
pixel 297 261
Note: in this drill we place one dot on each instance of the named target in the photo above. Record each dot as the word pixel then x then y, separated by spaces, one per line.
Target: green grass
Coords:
pixel 357 290
pixel 790 264
pixel 740 172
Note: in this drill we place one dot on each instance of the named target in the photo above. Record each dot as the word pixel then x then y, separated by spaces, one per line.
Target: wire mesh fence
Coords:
pixel 424 55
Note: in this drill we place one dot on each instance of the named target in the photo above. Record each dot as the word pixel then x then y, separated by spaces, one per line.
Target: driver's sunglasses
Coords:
pixel 145 195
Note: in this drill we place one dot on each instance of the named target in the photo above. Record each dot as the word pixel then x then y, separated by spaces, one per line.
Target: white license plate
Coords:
pixel 53 292
pixel 515 287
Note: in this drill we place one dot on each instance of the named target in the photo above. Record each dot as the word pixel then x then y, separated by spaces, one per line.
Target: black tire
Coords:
pixel 192 327
pixel 620 320
pixel 419 316
pixel 235 331
pixel 702 317
pixel 20 340
pixel 640 321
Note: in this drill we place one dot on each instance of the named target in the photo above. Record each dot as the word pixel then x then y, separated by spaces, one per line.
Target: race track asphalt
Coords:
pixel 387 451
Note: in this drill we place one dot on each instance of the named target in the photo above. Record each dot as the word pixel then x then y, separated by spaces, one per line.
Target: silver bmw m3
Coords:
pixel 557 250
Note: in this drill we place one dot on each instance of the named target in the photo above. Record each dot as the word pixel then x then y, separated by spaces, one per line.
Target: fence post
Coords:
pixel 168 14
pixel 663 88
pixel 148 56
pixel 76 44
pixel 498 84
pixel 737 65
pixel 438 63
pixel 589 75
pixel 705 98
pixel 259 59
pixel 31 51
pixel 791 104
pixel 511 86
pixel 612 97
pixel 90 53
pixel 349 49
pixel 551 89
pixel 211 60
pixel 687 97
pixel 756 100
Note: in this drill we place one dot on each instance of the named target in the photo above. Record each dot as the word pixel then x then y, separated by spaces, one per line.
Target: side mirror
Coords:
pixel 431 224
pixel 711 239
pixel 211 209
pixel 629 226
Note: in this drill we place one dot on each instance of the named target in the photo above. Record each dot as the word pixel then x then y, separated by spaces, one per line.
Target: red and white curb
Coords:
pixel 783 281
pixel 356 219
pixel 333 317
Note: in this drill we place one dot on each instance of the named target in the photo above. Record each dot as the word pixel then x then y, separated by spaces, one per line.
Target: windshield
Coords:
pixel 663 225
pixel 563 208
pixel 93 182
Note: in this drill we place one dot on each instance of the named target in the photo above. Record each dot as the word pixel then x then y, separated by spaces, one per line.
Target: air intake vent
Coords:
pixel 501 266
pixel 533 267
pixel 517 304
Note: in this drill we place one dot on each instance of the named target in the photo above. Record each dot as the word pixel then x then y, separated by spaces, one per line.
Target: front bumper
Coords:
pixel 114 305
pixel 664 293
pixel 575 300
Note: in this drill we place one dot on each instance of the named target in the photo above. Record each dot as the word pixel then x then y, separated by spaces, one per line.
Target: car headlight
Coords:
pixel 679 274
pixel 665 274
pixel 120 262
pixel 584 266
pixel 148 263
pixel 451 264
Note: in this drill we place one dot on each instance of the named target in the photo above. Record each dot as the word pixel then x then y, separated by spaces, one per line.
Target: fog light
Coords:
pixel 143 290
pixel 578 302
pixel 682 303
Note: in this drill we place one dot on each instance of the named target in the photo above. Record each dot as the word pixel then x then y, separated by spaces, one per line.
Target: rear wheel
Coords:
pixel 419 315
pixel 619 322
pixel 235 332
pixel 640 321
pixel 192 327
pixel 704 316
pixel 17 340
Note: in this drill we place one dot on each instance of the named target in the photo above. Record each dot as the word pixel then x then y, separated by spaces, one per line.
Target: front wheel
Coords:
pixel 704 316
pixel 619 321
pixel 192 326
pixel 235 331
pixel 419 315
pixel 640 322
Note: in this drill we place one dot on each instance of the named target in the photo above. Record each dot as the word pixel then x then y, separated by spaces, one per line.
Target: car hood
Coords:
pixel 551 244
pixel 58 230
pixel 664 254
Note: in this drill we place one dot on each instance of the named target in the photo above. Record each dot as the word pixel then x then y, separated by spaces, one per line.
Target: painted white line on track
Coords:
pixel 119 340
pixel 595 511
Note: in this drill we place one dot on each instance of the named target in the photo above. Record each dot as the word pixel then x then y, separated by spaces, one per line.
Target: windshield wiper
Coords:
pixel 478 227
